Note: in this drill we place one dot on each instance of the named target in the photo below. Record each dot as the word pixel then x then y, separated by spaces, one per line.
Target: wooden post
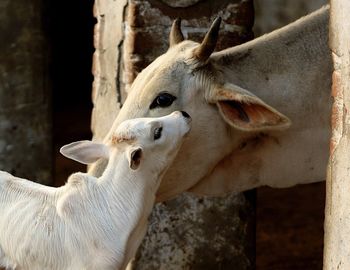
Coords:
pixel 188 232
pixel 25 115
pixel 337 219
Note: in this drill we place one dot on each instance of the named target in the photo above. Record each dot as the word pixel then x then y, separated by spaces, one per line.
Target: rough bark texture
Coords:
pixel 25 118
pixel 337 221
pixel 188 232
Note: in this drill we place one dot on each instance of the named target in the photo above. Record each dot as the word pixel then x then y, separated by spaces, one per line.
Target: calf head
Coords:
pixel 147 144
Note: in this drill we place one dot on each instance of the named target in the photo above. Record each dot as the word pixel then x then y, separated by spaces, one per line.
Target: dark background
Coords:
pixel 70 27
pixel 70 30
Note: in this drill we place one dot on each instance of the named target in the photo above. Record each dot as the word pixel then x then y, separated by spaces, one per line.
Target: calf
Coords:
pixel 90 223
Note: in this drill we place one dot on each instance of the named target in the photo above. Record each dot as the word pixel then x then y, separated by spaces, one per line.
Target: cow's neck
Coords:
pixel 290 69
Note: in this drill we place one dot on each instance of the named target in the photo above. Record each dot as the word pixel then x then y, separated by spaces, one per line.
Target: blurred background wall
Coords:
pixel 25 92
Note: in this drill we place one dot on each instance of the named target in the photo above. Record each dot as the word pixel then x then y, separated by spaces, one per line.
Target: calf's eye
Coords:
pixel 162 100
pixel 157 133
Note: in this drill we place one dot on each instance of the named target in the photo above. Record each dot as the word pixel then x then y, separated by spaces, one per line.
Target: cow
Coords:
pixel 261 110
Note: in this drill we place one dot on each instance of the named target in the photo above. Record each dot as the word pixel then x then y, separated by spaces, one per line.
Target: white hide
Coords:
pixel 242 142
pixel 90 223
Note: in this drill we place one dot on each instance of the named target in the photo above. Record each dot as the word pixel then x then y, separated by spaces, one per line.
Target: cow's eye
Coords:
pixel 162 100
pixel 157 133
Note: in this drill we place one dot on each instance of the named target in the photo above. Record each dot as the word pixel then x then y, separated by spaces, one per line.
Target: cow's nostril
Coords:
pixel 185 114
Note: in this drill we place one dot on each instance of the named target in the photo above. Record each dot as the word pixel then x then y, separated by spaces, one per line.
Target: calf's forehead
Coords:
pixel 133 126
pixel 130 131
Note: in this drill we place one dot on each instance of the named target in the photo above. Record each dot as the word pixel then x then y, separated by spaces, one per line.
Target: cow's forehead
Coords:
pixel 170 62
pixel 169 67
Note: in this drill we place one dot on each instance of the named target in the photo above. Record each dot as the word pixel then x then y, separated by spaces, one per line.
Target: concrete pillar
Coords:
pixel 337 214
pixel 187 232
pixel 25 115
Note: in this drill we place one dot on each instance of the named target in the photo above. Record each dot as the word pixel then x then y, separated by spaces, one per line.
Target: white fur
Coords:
pixel 89 223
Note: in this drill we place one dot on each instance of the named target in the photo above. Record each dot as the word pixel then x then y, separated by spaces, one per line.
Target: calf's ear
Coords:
pixel 245 111
pixel 134 157
pixel 85 152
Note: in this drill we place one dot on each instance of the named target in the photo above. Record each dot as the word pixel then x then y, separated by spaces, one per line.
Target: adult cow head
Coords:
pixel 237 139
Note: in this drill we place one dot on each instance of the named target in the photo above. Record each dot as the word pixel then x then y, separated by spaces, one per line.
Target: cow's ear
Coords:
pixel 245 111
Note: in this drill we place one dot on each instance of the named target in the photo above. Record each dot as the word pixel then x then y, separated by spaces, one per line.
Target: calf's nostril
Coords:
pixel 185 114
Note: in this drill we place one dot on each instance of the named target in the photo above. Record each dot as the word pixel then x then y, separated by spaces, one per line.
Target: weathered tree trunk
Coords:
pixel 25 118
pixel 188 232
pixel 337 220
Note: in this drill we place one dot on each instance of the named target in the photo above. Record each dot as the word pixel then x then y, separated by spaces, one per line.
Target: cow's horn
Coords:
pixel 206 48
pixel 176 35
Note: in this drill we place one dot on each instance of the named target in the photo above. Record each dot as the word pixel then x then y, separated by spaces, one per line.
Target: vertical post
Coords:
pixel 337 220
pixel 187 232
pixel 25 116
pixel 107 64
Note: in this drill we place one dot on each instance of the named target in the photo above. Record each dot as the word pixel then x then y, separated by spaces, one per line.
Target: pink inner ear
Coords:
pixel 249 115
